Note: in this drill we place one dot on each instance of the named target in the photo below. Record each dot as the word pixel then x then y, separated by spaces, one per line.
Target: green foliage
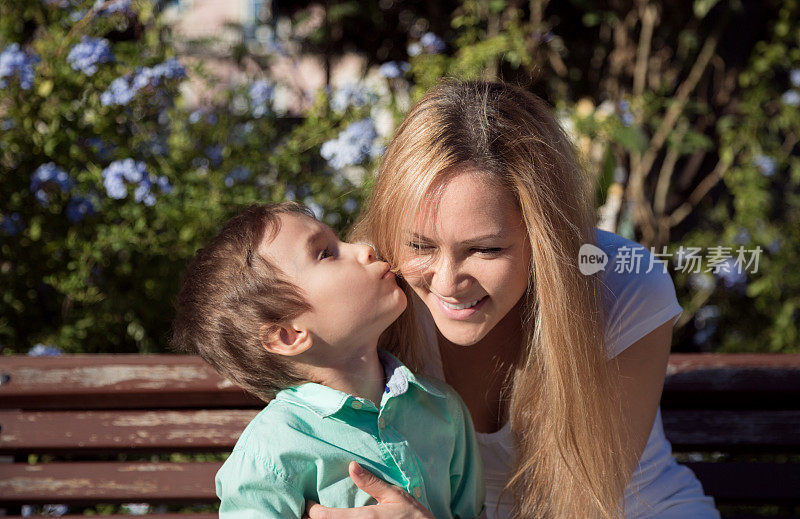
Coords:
pixel 718 161
pixel 107 282
pixel 702 143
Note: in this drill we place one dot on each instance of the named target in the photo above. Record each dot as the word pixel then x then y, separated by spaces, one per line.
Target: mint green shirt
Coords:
pixel 420 439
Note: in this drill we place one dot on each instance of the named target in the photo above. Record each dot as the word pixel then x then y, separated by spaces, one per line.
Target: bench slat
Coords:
pixel 177 515
pixel 733 482
pixel 733 381
pixel 745 483
pixel 157 431
pixel 181 381
pixel 762 430
pixel 96 482
pixel 116 382
pixel 121 431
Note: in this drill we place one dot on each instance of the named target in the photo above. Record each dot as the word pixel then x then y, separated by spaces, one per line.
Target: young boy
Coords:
pixel 277 304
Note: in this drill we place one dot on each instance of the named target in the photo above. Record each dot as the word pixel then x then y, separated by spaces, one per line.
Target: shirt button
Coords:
pixel 381 423
pixel 356 404
pixel 417 492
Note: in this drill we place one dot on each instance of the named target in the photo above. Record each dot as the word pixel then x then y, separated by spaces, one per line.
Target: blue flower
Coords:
pixel 214 154
pixel 701 281
pixel 414 49
pixel 238 174
pixel 240 132
pixel 115 6
pixel 12 224
pixel 157 146
pixel 794 77
pixel 119 92
pixel 78 208
pixel 120 173
pixel 143 195
pixel 104 150
pixel 170 69
pixel 46 178
pixel 163 184
pixel 90 52
pixel 705 321
pixel 766 164
pixel 546 37
pixel 317 209
pixel 122 89
pixel 742 236
pixel 350 205
pixel 732 275
pixel 394 69
pixel 432 43
pixel 45 350
pixel 15 62
pixel 195 116
pixel 627 114
pixel 261 93
pixel 353 145
pixel 350 95
pixel 791 98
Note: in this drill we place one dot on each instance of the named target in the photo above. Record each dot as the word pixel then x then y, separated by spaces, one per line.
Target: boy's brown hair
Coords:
pixel 229 291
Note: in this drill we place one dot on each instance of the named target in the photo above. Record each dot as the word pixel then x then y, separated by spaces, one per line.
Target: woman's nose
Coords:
pixel 444 277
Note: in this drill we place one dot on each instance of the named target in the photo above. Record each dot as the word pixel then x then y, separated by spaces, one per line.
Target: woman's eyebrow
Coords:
pixel 498 235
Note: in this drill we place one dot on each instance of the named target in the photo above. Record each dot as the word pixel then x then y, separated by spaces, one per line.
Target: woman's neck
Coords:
pixel 503 343
pixel 480 372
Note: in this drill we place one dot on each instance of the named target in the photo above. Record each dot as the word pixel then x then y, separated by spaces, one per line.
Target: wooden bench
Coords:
pixel 102 427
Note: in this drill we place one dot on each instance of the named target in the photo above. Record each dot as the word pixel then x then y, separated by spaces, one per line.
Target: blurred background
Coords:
pixel 131 129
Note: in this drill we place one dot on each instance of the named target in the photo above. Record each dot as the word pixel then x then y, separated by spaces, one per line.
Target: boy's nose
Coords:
pixel 366 253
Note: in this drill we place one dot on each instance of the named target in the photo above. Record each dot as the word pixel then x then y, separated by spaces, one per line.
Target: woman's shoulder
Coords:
pixel 638 291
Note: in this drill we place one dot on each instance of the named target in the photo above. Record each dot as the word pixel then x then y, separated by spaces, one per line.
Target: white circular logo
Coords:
pixel 591 259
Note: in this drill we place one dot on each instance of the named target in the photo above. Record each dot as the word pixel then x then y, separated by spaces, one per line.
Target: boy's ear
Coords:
pixel 284 340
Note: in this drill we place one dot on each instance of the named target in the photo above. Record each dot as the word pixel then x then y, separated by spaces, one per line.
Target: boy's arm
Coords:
pixel 249 489
pixel 467 487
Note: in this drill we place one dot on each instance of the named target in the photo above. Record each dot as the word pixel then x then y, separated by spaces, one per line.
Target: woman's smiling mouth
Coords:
pixel 462 310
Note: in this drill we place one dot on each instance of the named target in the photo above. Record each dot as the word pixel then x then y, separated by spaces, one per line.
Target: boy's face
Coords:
pixel 353 296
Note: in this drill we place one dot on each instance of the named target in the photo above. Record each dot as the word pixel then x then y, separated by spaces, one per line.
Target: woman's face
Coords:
pixel 467 256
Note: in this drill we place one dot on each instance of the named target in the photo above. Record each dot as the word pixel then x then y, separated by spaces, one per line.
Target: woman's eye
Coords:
pixel 487 250
pixel 325 253
pixel 419 247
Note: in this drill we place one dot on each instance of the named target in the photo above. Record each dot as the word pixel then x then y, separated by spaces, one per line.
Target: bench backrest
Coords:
pixel 83 409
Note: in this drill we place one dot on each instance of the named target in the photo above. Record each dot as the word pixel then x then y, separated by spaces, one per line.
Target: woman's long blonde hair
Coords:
pixel 563 398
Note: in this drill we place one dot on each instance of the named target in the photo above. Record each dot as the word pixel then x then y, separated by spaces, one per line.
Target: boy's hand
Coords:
pixel 393 502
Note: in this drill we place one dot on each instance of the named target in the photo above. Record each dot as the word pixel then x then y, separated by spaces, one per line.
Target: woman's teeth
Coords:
pixel 460 307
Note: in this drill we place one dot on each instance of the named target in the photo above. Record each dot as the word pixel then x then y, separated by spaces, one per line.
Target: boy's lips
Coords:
pixel 387 273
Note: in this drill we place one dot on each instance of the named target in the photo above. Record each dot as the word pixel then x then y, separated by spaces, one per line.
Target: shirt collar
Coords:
pixel 326 401
pixel 398 377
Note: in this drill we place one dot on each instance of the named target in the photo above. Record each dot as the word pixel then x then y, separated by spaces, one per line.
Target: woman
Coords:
pixel 482 207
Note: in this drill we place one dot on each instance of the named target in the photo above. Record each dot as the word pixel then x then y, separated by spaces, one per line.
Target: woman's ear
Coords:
pixel 284 340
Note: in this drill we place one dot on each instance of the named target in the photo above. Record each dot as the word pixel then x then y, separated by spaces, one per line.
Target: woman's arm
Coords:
pixel 393 502
pixel 642 368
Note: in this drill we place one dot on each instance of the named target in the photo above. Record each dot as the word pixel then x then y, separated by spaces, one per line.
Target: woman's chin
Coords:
pixel 461 337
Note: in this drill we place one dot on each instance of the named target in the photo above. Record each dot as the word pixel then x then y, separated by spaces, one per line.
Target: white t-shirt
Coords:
pixel 637 302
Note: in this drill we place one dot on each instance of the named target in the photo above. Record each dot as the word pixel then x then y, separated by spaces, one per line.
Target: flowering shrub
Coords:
pixel 15 63
pixel 111 181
